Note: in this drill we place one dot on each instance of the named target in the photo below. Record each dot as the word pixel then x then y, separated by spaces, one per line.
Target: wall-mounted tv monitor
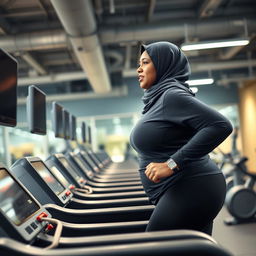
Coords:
pixel 72 127
pixel 57 120
pixel 36 110
pixel 8 89
pixel 83 131
pixel 66 125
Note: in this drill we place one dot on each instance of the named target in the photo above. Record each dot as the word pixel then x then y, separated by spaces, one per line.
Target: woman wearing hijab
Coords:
pixel 173 138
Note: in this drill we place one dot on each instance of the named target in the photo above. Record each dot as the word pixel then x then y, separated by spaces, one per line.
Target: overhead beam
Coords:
pixel 116 92
pixel 230 52
pixel 209 7
pixel 28 58
pixel 222 65
pixel 151 8
pixel 34 63
pixel 80 75
pixel 198 67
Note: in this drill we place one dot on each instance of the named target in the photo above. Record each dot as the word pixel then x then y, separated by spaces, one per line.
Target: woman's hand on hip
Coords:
pixel 156 171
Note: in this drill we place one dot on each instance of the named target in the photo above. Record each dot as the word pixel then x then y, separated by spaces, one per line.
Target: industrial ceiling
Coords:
pixel 84 46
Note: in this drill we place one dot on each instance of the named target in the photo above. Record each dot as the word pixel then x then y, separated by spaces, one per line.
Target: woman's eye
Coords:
pixel 143 63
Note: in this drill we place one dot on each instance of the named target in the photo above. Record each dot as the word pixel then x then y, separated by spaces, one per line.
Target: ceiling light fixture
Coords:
pixel 214 44
pixel 200 81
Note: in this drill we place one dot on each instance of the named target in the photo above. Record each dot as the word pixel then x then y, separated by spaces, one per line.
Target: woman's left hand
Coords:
pixel 156 171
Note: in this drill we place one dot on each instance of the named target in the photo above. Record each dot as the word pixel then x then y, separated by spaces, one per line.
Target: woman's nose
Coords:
pixel 139 69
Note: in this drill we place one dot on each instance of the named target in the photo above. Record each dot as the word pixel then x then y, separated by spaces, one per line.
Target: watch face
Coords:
pixel 172 164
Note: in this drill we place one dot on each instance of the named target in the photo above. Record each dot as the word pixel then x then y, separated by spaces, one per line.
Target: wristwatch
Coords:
pixel 172 165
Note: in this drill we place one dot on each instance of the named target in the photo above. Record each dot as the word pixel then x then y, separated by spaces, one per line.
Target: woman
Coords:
pixel 173 138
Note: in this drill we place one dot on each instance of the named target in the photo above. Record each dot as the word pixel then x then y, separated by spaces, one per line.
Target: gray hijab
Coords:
pixel 172 70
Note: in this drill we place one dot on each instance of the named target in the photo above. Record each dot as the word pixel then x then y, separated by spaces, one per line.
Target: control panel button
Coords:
pixel 29 230
pixel 68 193
pixel 71 187
pixel 49 227
pixel 40 216
pixel 33 225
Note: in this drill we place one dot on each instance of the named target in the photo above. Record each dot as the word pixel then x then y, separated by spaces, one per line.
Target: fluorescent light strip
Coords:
pixel 214 44
pixel 200 81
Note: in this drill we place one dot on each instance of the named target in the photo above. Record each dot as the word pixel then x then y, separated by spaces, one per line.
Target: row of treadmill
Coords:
pixel 79 202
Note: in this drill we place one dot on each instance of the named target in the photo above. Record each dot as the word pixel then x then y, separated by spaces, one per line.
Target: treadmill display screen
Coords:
pixel 15 203
pixel 46 175
pixel 69 168
pixel 59 175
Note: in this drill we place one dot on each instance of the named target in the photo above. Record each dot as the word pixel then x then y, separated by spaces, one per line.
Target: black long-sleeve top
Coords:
pixel 183 128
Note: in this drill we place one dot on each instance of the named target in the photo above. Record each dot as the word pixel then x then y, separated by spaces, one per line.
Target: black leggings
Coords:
pixel 190 204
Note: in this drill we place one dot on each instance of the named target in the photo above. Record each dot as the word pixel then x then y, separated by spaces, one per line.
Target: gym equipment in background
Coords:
pixel 241 197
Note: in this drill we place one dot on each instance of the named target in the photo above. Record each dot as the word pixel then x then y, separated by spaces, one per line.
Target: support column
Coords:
pixel 247 112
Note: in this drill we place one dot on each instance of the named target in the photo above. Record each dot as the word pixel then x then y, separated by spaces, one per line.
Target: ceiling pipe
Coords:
pixel 71 76
pixel 165 31
pixel 111 34
pixel 53 78
pixel 54 39
pixel 29 59
pixel 80 25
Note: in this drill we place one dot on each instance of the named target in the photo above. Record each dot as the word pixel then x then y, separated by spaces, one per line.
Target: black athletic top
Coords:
pixel 179 126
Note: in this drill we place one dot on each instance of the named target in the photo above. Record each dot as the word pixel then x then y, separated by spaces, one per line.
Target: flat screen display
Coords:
pixel 83 132
pixel 15 203
pixel 8 89
pixel 73 127
pixel 69 168
pixel 59 175
pixel 36 110
pixel 57 120
pixel 46 175
pixel 66 125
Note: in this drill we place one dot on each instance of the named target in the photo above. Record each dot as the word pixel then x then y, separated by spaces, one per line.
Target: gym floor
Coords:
pixel 238 239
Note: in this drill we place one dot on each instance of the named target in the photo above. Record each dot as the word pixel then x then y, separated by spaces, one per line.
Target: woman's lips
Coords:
pixel 140 78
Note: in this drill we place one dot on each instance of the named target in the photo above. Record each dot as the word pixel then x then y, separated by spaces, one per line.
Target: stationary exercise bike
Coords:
pixel 228 166
pixel 241 197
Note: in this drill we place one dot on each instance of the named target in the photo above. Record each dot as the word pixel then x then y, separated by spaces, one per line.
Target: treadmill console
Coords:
pixel 19 210
pixel 82 164
pixel 39 180
pixel 61 177
pixel 87 158
pixel 65 163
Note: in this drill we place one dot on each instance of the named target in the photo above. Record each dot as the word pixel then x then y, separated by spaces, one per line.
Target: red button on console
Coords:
pixel 68 193
pixel 71 187
pixel 49 227
pixel 42 215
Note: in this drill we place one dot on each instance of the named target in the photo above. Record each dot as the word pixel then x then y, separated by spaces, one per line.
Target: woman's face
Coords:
pixel 146 71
